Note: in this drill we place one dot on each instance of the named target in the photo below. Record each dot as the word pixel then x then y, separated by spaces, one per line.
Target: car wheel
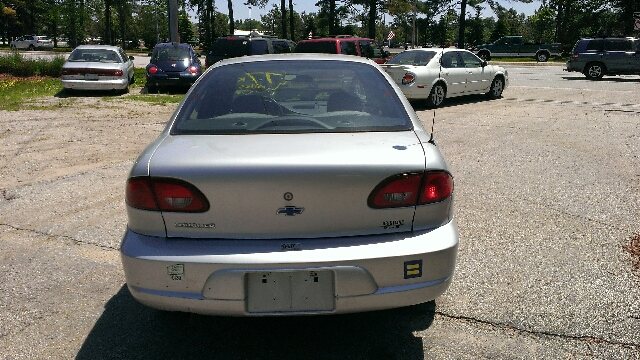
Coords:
pixel 31 48
pixel 484 55
pixel 542 56
pixel 133 80
pixel 496 89
pixel 594 71
pixel 13 47
pixel 437 95
pixel 152 89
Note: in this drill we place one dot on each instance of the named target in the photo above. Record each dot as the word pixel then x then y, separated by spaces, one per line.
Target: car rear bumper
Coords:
pixel 119 84
pixel 171 81
pixel 290 277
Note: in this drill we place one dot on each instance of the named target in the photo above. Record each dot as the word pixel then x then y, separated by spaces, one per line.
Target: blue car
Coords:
pixel 173 65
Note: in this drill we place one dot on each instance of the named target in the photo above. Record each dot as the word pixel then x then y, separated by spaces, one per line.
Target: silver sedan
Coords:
pixel 434 75
pixel 286 185
pixel 98 67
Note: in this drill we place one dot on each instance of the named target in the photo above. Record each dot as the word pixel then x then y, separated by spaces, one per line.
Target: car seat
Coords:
pixel 341 101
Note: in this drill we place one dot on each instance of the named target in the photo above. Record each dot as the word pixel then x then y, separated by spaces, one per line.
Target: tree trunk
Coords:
pixel 291 21
pixel 373 14
pixel 231 20
pixel 463 11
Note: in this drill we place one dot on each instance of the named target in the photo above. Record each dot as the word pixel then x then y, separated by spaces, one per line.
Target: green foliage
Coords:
pixel 16 92
pixel 18 65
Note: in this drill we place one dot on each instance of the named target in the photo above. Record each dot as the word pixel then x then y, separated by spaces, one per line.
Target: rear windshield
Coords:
pixel 416 57
pixel 230 47
pixel 94 55
pixel 279 96
pixel 322 47
pixel 171 53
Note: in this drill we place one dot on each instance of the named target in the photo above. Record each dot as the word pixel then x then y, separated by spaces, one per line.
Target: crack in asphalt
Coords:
pixel 66 237
pixel 584 338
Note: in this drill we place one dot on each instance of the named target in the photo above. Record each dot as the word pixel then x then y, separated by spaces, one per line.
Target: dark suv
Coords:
pixel 596 57
pixel 240 45
pixel 347 45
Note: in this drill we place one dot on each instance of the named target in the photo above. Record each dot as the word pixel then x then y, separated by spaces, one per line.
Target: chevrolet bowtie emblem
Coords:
pixel 290 211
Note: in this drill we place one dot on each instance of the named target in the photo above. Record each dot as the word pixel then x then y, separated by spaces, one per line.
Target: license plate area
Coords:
pixel 290 291
pixel 91 77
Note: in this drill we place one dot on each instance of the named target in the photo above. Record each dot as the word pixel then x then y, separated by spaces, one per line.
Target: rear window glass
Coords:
pixel 94 55
pixel 617 45
pixel 281 96
pixel 325 47
pixel 259 47
pixel 171 53
pixel 417 57
pixel 595 45
pixel 230 47
pixel 348 48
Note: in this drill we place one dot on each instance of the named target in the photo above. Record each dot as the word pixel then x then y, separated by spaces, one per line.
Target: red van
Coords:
pixel 344 44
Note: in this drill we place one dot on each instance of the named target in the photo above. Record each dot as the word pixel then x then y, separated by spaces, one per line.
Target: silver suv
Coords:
pixel 31 42
pixel 597 57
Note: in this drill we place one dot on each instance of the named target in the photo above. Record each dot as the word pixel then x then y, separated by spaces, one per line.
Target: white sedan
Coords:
pixel 437 74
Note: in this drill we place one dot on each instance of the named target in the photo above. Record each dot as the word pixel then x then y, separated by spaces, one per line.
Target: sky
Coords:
pixel 241 11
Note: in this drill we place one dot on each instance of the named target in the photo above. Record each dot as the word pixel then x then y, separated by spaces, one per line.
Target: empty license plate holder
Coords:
pixel 290 291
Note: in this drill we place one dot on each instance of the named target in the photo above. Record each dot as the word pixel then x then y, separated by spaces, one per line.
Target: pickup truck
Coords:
pixel 514 46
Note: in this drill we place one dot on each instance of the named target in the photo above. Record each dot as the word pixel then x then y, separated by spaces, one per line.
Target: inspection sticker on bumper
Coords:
pixel 176 271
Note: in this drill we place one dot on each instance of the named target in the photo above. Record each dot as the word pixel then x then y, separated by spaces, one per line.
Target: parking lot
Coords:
pixel 547 196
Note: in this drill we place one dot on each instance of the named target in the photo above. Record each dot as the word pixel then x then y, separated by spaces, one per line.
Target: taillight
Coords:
pixel 574 57
pixel 161 194
pixel 118 73
pixel 411 190
pixel 408 78
pixel 193 69
pixel 153 70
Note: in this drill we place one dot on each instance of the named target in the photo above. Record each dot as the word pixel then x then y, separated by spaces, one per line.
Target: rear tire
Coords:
pixel 31 48
pixel 594 71
pixel 437 95
pixel 542 56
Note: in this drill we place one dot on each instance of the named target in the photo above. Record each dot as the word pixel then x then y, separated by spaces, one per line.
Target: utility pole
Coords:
pixel 174 36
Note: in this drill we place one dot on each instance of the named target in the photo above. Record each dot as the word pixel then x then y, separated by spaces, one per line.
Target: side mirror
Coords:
pixel 131 57
pixel 484 63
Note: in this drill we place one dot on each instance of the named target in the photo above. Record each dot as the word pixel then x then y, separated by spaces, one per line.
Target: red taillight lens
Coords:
pixel 574 57
pixel 118 73
pixel 139 194
pixel 408 78
pixel 193 69
pixel 436 187
pixel 153 70
pixel 159 194
pixel 411 190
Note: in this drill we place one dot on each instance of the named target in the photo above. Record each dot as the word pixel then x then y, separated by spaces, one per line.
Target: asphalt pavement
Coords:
pixel 546 198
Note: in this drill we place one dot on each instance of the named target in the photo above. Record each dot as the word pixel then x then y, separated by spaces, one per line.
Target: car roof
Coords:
pixel 341 38
pixel 95 47
pixel 295 56
pixel 172 44
pixel 439 49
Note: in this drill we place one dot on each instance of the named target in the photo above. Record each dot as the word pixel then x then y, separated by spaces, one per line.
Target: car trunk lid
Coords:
pixel 288 185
